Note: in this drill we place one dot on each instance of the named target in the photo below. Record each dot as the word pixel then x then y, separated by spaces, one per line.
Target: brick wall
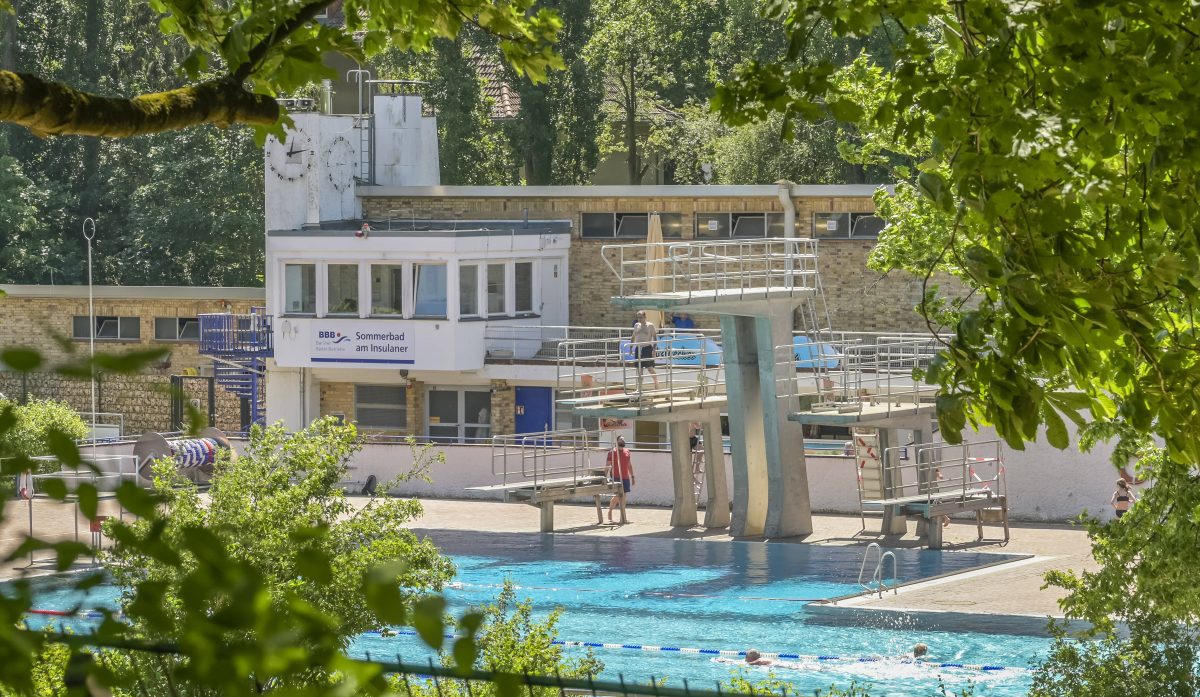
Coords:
pixel 143 399
pixel 504 400
pixel 859 299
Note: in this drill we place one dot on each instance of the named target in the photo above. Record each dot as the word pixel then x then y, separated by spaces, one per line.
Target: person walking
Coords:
pixel 620 468
pixel 645 335
pixel 1122 498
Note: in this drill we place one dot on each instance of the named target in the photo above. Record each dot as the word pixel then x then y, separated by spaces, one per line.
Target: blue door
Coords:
pixel 535 409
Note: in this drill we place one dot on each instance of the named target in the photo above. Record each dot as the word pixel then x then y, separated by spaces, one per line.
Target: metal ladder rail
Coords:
pixel 863 567
pixel 877 577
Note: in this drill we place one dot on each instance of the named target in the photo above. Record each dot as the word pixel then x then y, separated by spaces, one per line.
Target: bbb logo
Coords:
pixel 336 336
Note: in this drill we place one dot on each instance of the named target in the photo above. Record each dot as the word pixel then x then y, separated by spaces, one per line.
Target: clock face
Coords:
pixel 341 163
pixel 291 159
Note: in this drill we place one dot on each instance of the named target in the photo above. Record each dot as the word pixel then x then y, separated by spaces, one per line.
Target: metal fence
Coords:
pixel 695 270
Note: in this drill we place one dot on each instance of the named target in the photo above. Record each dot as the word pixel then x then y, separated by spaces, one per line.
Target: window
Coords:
pixel 176 329
pixel 775 226
pixel 387 283
pixel 107 328
pixel 300 289
pixel 598 225
pixel 468 290
pixel 630 225
pixel 709 225
pixel 749 224
pixel 429 290
pixel 459 416
pixel 495 289
pixel 343 289
pixel 865 225
pixel 524 287
pixel 846 225
pixel 381 406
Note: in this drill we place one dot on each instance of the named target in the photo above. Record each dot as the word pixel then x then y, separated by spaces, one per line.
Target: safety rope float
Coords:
pixel 723 653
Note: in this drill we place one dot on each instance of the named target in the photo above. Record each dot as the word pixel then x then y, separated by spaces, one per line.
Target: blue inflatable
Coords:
pixel 681 349
pixel 809 355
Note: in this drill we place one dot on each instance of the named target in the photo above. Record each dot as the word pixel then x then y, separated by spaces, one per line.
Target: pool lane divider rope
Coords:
pixel 657 594
pixel 723 653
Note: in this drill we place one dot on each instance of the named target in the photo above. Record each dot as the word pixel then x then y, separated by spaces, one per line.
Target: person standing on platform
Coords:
pixel 620 469
pixel 645 335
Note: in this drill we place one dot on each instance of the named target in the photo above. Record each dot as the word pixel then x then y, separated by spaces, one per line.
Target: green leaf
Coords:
pixel 22 360
pixel 465 652
pixel 67 552
pixel 313 565
pixel 137 500
pixel 89 500
pixel 63 447
pixel 55 488
pixel 1056 430
pixel 382 592
pixel 429 621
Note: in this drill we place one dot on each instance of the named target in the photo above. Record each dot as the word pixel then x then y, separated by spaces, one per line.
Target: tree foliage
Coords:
pixel 1056 178
pixel 39 427
pixel 241 54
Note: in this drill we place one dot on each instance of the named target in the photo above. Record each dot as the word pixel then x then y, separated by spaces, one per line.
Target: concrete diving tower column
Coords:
pixel 754 287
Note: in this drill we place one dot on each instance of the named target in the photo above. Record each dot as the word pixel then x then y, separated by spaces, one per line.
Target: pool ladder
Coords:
pixel 877 579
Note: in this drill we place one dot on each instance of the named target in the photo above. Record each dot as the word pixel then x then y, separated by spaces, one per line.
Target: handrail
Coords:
pixel 878 576
pixel 863 568
pixel 243 333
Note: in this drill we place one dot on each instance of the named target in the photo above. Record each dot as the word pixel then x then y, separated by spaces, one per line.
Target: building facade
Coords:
pixel 56 321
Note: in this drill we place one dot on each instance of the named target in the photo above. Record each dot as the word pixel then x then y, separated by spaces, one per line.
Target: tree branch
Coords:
pixel 306 14
pixel 49 108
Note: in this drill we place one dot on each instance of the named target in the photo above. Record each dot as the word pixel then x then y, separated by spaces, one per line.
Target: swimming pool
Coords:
pixel 722 596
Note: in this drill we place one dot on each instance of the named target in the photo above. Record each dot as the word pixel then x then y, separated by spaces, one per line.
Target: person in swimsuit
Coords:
pixel 1122 498
pixel 645 335
pixel 620 469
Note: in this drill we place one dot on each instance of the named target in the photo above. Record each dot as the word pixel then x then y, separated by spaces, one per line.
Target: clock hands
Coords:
pixel 295 152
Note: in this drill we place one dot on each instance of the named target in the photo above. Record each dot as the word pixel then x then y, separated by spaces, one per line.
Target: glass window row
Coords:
pixel 412 289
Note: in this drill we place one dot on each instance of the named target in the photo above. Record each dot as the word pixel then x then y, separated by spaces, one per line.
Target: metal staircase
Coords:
pixel 239 345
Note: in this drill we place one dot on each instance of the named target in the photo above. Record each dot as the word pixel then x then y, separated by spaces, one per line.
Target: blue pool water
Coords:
pixel 723 596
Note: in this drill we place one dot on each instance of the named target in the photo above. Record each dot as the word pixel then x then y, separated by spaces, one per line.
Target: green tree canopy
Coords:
pixel 243 53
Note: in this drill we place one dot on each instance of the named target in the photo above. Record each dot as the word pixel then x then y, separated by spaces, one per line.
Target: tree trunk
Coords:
pixel 631 144
pixel 8 37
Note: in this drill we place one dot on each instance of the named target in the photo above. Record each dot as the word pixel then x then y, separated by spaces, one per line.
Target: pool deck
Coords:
pixel 1013 588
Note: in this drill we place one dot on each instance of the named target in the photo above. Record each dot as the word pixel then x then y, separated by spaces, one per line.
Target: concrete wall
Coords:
pixel 1044 484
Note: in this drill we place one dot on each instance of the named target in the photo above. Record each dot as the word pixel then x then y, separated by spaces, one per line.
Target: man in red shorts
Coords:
pixel 620 468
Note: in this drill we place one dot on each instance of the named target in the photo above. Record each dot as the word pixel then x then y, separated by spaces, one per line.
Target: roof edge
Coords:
pixel 136 292
pixel 622 191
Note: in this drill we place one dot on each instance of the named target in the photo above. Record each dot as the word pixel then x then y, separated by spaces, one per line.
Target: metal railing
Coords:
pixel 849 372
pixel 563 457
pixel 541 342
pixel 687 366
pixel 229 333
pixel 696 270
pixel 943 472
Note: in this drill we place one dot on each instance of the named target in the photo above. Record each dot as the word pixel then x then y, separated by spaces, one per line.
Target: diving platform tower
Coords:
pixel 758 288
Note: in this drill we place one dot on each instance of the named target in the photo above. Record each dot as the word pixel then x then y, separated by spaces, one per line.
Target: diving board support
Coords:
pixel 683 512
pixel 770 477
pixel 716 509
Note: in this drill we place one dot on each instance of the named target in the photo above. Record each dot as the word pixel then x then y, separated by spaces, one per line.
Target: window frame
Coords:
pixel 461 425
pixel 316 289
pixel 416 267
pixel 397 293
pixel 533 302
pixel 357 311
pixel 402 407
pixel 504 294
pixel 180 326
pixel 851 219
pixel 100 320
pixel 474 267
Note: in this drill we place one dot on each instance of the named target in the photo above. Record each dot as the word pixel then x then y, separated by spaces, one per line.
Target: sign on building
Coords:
pixel 343 342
